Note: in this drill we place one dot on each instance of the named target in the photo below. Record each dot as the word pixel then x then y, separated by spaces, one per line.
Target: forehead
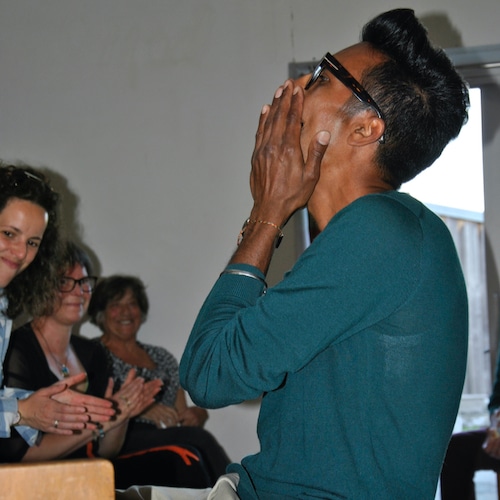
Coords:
pixel 127 296
pixel 24 215
pixel 359 57
pixel 77 271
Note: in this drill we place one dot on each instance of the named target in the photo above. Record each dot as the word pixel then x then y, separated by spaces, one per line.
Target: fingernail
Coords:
pixel 279 93
pixel 324 137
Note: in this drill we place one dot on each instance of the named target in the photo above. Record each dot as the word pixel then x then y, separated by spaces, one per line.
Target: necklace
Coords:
pixel 63 367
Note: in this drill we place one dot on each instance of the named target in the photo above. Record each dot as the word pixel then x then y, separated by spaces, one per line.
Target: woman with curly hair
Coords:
pixel 29 288
pixel 29 248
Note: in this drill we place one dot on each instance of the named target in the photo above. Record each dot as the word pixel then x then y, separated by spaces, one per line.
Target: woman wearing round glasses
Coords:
pixel 44 351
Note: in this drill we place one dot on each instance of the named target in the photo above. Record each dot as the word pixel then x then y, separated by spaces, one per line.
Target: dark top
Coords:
pixel 154 463
pixel 494 403
pixel 26 367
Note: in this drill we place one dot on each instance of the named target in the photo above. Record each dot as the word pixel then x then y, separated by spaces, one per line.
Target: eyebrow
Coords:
pixel 16 230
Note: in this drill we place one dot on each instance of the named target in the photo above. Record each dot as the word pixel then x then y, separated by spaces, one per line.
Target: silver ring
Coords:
pixel 56 423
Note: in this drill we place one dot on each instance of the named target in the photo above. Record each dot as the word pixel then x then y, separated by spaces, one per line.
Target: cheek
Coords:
pixel 108 317
pixel 30 257
pixel 322 119
pixel 86 300
pixel 111 316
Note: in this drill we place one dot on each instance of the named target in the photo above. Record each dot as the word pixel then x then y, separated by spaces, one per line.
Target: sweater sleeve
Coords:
pixel 356 273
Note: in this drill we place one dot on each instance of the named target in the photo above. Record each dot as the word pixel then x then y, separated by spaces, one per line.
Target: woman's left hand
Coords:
pixel 193 416
pixel 161 415
pixel 135 395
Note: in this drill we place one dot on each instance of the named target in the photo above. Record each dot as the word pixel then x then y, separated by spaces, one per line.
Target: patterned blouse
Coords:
pixel 167 369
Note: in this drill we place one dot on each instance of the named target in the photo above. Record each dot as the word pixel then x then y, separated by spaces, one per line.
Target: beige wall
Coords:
pixel 146 112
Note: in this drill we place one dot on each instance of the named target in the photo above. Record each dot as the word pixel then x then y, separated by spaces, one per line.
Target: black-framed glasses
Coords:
pixel 330 63
pixel 86 284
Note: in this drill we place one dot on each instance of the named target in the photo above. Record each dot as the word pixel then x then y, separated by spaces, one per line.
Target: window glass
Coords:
pixel 455 180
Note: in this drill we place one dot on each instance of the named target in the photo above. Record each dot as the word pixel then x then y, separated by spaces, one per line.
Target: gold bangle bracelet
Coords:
pixel 257 221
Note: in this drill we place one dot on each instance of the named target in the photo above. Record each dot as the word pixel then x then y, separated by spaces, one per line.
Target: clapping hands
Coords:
pixel 60 410
pixel 134 396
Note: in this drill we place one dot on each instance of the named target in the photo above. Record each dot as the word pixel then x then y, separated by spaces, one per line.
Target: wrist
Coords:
pixel 251 224
pixel 19 415
pixel 17 419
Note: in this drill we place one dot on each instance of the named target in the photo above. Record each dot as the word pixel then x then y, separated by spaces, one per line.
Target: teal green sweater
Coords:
pixel 359 354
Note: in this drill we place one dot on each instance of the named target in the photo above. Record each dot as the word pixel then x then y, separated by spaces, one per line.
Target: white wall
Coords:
pixel 145 111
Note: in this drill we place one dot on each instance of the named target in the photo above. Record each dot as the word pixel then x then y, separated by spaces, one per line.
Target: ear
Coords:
pixel 366 128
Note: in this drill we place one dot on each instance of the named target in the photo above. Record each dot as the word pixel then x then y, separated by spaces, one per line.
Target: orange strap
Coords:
pixel 184 453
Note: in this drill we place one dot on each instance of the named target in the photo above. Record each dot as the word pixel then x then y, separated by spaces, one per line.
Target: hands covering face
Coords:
pixel 282 181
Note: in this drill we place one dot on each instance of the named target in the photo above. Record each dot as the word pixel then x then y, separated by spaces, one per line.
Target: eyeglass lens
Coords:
pixel 67 284
pixel 330 63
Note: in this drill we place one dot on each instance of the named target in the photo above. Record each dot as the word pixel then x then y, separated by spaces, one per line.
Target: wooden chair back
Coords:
pixel 62 480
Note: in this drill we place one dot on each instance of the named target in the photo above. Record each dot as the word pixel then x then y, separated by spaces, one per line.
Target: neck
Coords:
pixel 120 345
pixel 55 335
pixel 339 188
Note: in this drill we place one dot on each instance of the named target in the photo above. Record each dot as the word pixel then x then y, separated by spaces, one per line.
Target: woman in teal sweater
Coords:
pixel 359 352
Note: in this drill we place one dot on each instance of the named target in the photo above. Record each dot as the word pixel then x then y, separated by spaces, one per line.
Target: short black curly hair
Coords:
pixel 423 98
pixel 35 287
